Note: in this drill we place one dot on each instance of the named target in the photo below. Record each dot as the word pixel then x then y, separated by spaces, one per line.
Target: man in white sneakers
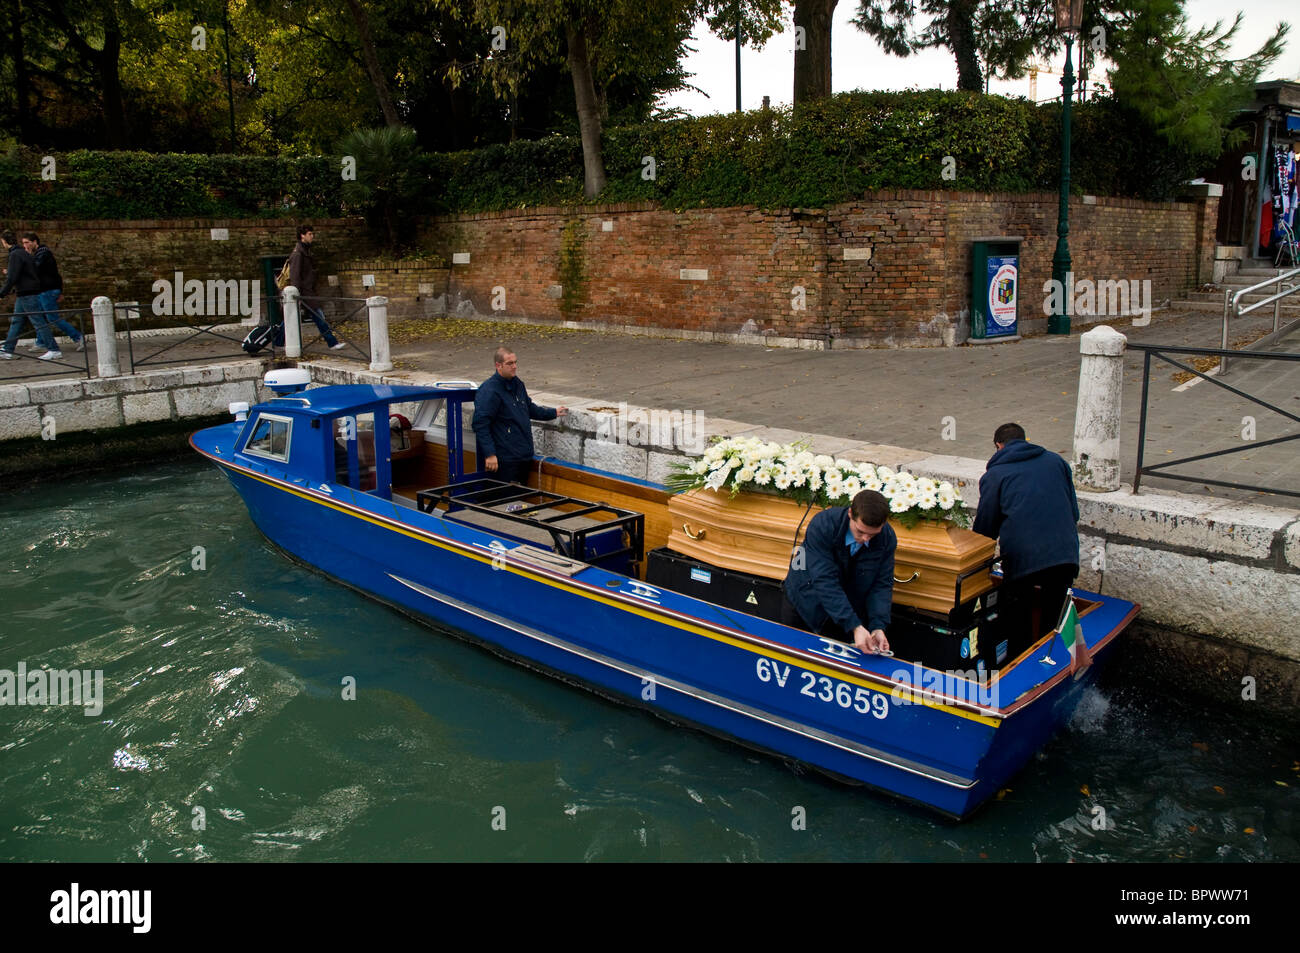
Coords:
pixel 23 281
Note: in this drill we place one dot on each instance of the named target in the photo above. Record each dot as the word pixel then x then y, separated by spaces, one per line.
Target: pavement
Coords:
pixel 939 400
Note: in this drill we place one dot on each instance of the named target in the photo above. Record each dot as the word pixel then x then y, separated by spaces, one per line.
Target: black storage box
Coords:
pixel 755 595
pixel 932 640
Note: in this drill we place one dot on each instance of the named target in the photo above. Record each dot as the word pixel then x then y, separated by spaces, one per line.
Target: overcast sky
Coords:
pixel 858 63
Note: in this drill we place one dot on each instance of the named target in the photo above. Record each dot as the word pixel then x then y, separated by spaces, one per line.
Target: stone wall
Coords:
pixel 48 409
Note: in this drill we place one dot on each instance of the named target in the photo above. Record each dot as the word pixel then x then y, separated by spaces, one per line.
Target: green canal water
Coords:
pixel 223 691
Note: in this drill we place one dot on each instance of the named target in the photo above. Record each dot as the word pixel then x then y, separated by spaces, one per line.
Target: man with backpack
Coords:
pixel 302 275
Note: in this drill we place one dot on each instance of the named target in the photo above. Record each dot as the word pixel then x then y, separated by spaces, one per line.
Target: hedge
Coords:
pixel 826 152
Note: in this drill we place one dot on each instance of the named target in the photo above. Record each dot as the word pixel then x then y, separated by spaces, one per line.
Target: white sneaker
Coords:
pixel 6 355
pixel 81 345
pixel 338 347
pixel 51 356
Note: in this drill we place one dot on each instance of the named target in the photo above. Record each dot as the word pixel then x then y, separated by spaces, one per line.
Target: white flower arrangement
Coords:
pixel 791 471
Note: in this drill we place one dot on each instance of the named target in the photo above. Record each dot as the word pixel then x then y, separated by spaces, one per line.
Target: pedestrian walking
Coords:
pixel 302 275
pixel 47 270
pixel 21 279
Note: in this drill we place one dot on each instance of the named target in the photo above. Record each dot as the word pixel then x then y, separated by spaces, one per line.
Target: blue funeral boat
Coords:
pixel 552 576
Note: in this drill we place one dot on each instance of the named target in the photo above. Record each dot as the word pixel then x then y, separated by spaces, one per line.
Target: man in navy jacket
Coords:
pixel 841 580
pixel 1027 503
pixel 503 412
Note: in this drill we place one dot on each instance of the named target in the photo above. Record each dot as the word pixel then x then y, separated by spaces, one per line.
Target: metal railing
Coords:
pixel 355 322
pixel 1160 351
pixel 59 322
pixel 1232 307
pixel 124 312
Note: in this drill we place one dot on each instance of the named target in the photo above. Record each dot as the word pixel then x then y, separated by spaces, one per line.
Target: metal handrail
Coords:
pixel 1232 300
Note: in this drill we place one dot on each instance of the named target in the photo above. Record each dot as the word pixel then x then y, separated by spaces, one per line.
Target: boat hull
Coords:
pixel 773 688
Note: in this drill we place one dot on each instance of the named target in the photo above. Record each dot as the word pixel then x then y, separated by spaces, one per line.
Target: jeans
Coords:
pixel 321 324
pixel 50 305
pixel 28 307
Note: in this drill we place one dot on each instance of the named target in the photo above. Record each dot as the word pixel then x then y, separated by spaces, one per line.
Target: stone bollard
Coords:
pixel 105 337
pixel 1097 415
pixel 381 358
pixel 292 327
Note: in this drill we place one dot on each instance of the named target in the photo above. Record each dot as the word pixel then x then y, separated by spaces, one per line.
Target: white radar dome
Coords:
pixel 288 380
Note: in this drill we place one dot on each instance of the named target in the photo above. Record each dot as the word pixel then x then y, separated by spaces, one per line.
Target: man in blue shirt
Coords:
pixel 1027 504
pixel 503 412
pixel 843 574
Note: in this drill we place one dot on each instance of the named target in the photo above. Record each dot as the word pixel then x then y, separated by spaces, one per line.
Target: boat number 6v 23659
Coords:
pixel 824 689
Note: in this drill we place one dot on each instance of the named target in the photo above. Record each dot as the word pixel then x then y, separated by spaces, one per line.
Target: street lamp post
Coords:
pixel 1069 20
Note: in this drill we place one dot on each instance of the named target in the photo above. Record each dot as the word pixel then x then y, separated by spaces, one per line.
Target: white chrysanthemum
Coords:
pixel 928 501
pixel 822 460
pixel 852 487
pixel 946 487
pixel 867 473
pixel 872 483
pixel 946 501
pixel 885 473
pixel 898 505
pixel 763 476
pixel 834 485
pixel 925 486
pixel 798 477
pixel 781 479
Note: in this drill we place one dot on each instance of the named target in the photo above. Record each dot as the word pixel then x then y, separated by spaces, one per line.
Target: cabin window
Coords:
pixel 270 438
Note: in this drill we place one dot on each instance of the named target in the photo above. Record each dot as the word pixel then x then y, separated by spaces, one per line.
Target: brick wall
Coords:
pixel 889 269
pixel 892 268
pixel 123 259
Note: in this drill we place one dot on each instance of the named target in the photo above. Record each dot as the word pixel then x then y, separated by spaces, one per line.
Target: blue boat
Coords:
pixel 546 577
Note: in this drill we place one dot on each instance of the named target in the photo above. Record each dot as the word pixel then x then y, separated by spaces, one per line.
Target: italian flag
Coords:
pixel 1072 635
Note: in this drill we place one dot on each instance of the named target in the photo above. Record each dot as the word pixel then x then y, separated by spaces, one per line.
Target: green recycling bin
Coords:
pixel 271 265
pixel 995 287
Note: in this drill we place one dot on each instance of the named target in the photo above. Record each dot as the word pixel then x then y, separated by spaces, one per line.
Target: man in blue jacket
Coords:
pixel 841 580
pixel 1027 504
pixel 503 412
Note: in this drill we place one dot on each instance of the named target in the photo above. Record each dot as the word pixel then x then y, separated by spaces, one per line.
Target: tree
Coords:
pixel 812 52
pixel 1178 78
pixel 600 41
pixel 1002 33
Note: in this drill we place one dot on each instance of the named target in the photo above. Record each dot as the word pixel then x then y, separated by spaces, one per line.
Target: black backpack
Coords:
pixel 264 335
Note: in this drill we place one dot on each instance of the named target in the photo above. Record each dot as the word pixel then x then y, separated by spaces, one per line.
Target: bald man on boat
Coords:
pixel 503 413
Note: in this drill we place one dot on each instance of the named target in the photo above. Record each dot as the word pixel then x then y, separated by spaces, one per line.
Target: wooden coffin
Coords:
pixel 756 533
